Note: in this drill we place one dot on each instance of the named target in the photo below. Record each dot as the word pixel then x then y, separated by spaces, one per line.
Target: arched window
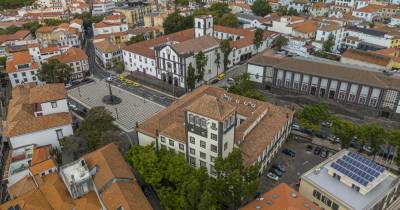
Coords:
pixel 209 24
pixel 198 24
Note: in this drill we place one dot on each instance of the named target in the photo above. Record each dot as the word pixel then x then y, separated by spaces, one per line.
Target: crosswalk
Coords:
pixel 133 109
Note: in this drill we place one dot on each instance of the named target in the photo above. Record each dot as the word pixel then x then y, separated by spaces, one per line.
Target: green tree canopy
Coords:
pixel 14 4
pixel 328 44
pixel 191 77
pixel 201 62
pixel 98 128
pixel 226 49
pixel 261 8
pixel 279 42
pixel 176 22
pixel 54 72
pixel 258 38
pixel 228 20
pixel 244 87
pixel 53 22
pixel 345 130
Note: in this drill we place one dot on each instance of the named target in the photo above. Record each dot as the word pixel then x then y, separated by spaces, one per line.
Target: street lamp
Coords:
pixel 109 79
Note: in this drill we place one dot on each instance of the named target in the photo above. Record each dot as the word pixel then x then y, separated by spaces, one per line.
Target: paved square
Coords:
pixel 132 109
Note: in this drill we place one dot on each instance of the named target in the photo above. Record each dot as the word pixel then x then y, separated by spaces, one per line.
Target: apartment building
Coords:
pixel 319 9
pixel 101 7
pixel 77 60
pixel 295 26
pixel 209 122
pixel 38 114
pixel 325 30
pixel 369 39
pixel 112 28
pixel 63 35
pixel 280 197
pixel 41 54
pixel 107 54
pixel 369 12
pixel 21 68
pixel 147 58
pixel 10 40
pixel 348 180
pixel 98 180
pixel 365 90
pixel 135 14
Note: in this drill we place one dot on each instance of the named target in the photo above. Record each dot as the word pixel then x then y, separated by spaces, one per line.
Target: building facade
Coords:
pixel 368 91
pixel 22 69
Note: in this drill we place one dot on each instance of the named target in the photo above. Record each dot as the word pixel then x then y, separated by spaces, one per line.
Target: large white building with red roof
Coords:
pixel 168 57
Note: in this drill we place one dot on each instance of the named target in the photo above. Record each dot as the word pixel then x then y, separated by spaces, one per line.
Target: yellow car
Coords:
pixel 221 76
pixel 135 84
pixel 121 78
pixel 128 82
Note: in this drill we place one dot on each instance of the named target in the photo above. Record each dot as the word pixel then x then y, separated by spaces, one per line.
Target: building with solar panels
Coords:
pixel 349 180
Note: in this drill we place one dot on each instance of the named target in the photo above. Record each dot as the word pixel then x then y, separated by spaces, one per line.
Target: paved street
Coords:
pixel 132 109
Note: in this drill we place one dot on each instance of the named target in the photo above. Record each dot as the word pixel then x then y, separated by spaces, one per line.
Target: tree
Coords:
pixel 54 72
pixel 282 11
pixel 311 116
pixel 226 49
pixel 261 8
pixel 345 130
pixel 201 62
pixel 118 65
pixel 258 38
pixel 182 2
pixel 234 180
pixel 244 87
pixel 373 135
pixel 191 77
pixel 329 43
pixel 279 42
pixel 53 22
pixel 217 60
pixel 14 4
pixel 228 20
pixel 3 61
pixel 292 12
pixel 32 26
pixel 136 39
pixel 176 22
pixel 98 128
pixel 69 144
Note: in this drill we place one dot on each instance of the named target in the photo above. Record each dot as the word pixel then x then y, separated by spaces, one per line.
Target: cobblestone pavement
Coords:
pixel 132 109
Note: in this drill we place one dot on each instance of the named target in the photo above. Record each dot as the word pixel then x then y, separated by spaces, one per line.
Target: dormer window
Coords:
pixel 54 104
pixel 23 66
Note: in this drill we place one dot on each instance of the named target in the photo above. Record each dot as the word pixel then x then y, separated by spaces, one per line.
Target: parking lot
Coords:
pixel 295 167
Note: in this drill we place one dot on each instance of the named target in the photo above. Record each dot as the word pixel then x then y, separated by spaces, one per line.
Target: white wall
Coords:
pixel 62 106
pixel 145 140
pixel 254 70
pixel 17 78
pixel 136 62
pixel 41 138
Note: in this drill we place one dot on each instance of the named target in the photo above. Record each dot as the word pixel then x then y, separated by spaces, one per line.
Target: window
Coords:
pixel 202 155
pixel 15 75
pixel 162 139
pixel 192 140
pixel 213 136
pixel 25 80
pixel 212 170
pixel 16 81
pixel 23 74
pixel 202 144
pixel 317 194
pixel 34 78
pixel 181 147
pixel 171 142
pixel 191 119
pixel 192 151
pixel 334 206
pixel 203 123
pixel 213 148
pixel 212 158
pixel 59 134
pixel 192 161
pixel 214 126
pixel 202 163
pixel 326 200
pixel 54 104
pixel 225 146
pixel 32 73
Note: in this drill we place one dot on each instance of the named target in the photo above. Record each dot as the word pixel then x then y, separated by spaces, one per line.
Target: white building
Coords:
pixel 367 13
pixel 147 58
pixel 38 114
pixel 369 39
pixel 77 60
pixel 325 30
pixel 101 7
pixel 107 53
pixel 299 5
pixel 21 68
pixel 41 54
pixel 115 23
pixel 209 122
pixel 347 3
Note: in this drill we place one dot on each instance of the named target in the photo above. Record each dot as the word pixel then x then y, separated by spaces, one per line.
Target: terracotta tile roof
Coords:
pixel 72 55
pixel 77 21
pixel 330 27
pixel 21 187
pixel 196 45
pixel 49 49
pixel 107 46
pixel 41 154
pixel 33 200
pixel 46 29
pixel 104 24
pixel 111 35
pixel 370 8
pixel 212 107
pixel 387 51
pixel 170 121
pixel 332 70
pixel 21 119
pixel 144 48
pixel 281 197
pixel 308 26
pixel 365 56
pixel 242 5
pixel 17 58
pixel 112 167
pixel 42 166
pixel 319 5
pixel 19 35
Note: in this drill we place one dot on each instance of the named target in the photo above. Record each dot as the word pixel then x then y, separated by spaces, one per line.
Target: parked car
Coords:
pixel 275 171
pixel 317 150
pixel 324 153
pixel 309 148
pixel 273 176
pixel 279 167
pixel 307 131
pixel 326 124
pixel 321 135
pixel 230 80
pixel 289 152
pixel 296 127
pixel 367 148
pixel 72 106
pixel 354 143
pixel 334 139
pixel 87 80
pixel 67 85
pixel 214 81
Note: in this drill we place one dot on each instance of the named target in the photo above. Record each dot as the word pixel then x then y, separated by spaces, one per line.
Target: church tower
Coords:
pixel 203 25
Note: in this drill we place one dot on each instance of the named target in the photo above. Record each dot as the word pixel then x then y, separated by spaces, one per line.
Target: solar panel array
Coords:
pixel 358 168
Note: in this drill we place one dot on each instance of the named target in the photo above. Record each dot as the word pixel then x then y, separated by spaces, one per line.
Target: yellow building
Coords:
pixel 350 181
pixel 135 15
pixel 395 43
pixel 393 53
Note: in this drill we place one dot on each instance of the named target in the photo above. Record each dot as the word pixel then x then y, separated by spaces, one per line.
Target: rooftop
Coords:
pixel 281 197
pixel 328 69
pixel 20 58
pixel 107 46
pixel 72 55
pixel 365 56
pixel 368 31
pixel 196 45
pixel 76 175
pixel 321 177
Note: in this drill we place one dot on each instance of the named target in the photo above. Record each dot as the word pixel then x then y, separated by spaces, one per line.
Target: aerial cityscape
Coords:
pixel 200 105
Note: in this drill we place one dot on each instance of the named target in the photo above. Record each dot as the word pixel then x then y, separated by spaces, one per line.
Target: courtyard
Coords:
pixel 132 109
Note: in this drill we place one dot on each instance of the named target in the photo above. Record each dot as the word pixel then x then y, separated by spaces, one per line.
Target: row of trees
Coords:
pixel 370 134
pixel 181 186
pixel 14 4
pixel 220 12
pixel 31 26
pixel 244 87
